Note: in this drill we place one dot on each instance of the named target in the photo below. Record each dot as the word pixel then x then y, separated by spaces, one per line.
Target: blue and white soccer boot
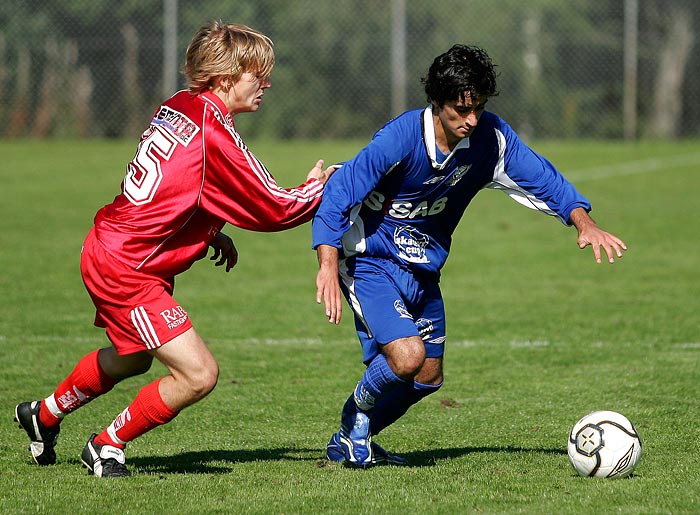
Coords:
pixel 382 457
pixel 354 438
pixel 335 451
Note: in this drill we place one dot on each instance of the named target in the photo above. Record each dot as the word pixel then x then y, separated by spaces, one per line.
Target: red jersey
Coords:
pixel 191 174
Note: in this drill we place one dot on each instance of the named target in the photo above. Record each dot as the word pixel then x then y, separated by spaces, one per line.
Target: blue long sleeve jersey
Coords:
pixel 401 198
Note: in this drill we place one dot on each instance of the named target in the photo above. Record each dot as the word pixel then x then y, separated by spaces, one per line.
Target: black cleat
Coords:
pixel 104 460
pixel 43 440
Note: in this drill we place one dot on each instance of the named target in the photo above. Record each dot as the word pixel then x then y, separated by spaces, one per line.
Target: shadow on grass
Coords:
pixel 429 458
pixel 222 461
pixel 217 462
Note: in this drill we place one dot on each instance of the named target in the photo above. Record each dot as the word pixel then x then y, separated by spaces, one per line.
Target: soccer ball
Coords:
pixel 604 444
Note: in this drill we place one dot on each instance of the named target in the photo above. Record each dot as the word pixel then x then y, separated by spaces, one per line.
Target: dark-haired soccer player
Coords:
pixel 384 230
pixel 191 174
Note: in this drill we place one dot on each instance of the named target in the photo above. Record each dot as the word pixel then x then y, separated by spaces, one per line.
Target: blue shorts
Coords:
pixel 390 302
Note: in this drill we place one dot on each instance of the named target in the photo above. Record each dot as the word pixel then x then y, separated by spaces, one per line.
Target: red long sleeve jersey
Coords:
pixel 191 174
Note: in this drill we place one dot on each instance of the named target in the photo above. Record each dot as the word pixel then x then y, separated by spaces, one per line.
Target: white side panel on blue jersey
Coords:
pixel 502 182
pixel 354 239
pixel 354 302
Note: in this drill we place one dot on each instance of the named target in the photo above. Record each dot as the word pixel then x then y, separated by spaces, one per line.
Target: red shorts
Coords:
pixel 137 310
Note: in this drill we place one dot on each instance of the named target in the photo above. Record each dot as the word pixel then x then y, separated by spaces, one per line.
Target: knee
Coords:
pixel 409 360
pixel 408 368
pixel 203 381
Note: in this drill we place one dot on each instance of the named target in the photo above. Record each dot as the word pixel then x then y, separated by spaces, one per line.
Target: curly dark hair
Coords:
pixel 462 69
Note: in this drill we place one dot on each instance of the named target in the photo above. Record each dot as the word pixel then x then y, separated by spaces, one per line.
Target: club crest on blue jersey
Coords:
pixel 411 244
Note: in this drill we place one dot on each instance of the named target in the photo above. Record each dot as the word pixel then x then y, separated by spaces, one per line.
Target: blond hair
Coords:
pixel 229 50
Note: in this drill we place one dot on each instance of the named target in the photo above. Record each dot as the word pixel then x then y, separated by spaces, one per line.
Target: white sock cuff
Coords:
pixel 112 432
pixel 50 402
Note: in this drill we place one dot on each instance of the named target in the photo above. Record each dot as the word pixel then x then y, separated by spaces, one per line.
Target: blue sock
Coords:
pixel 378 380
pixel 395 404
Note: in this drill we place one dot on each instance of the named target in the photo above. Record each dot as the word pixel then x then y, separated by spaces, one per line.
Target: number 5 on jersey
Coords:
pixel 144 173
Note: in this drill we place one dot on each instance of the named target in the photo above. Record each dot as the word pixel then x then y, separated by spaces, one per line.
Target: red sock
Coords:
pixel 146 412
pixel 86 382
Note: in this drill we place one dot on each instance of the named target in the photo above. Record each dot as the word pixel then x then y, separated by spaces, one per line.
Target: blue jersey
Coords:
pixel 401 198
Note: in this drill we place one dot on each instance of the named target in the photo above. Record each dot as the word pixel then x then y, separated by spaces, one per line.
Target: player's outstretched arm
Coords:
pixel 590 234
pixel 327 285
pixel 224 250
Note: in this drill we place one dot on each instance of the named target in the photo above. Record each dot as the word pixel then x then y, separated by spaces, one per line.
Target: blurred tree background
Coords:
pixel 574 69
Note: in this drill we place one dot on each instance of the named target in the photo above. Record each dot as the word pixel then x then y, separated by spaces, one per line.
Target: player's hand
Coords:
pixel 590 234
pixel 224 250
pixel 600 239
pixel 317 172
pixel 327 285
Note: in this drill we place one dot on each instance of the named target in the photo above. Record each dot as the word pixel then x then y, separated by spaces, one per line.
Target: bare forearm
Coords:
pixel 327 255
pixel 580 219
pixel 327 285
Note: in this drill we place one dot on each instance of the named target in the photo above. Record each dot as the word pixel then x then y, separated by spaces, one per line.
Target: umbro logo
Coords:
pixel 457 176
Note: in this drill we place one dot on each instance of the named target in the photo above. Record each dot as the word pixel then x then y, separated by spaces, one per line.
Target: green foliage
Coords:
pixel 75 68
pixel 538 335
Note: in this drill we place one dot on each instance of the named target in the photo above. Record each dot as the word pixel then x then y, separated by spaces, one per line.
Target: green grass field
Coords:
pixel 538 335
